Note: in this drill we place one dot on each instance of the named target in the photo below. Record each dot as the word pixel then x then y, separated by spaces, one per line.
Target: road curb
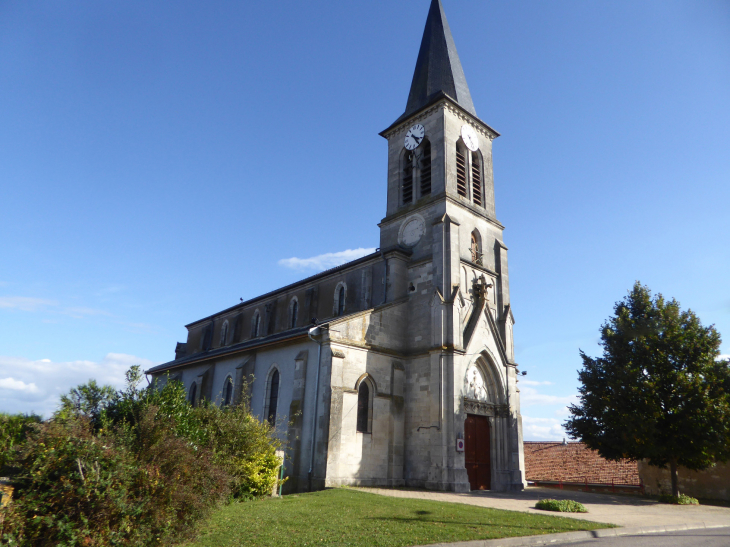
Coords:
pixel 573 537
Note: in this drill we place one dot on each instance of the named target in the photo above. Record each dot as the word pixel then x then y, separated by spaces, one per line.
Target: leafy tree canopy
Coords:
pixel 659 392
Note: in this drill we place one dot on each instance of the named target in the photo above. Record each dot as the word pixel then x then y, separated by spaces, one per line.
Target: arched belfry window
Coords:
pixel 476 179
pixel 272 397
pixel 340 298
pixel 228 391
pixel 365 392
pixel 255 324
pixel 425 165
pixel 193 393
pixel 224 334
pixel 293 312
pixel 407 182
pixel 461 178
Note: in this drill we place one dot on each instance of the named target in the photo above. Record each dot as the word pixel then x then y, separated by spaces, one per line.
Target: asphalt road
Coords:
pixel 712 537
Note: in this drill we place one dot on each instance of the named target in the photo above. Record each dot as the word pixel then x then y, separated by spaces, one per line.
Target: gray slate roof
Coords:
pixel 438 68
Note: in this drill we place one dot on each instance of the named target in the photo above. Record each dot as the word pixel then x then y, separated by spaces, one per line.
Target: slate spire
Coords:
pixel 438 69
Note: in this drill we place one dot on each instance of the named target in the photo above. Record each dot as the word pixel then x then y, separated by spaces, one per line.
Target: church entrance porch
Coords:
pixel 477 452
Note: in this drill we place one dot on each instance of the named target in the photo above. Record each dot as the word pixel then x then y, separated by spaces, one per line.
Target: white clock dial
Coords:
pixel 412 231
pixel 414 137
pixel 469 136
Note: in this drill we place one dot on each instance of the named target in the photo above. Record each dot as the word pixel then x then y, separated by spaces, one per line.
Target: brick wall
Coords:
pixel 574 462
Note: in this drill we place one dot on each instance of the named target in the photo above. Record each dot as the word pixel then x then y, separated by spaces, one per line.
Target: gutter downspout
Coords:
pixel 316 405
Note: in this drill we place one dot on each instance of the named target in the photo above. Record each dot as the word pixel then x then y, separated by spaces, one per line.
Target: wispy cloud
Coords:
pixel 529 396
pixel 542 429
pixel 535 383
pixel 324 261
pixel 35 386
pixel 31 304
pixel 25 303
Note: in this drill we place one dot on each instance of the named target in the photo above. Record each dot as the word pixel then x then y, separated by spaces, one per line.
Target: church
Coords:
pixel 395 369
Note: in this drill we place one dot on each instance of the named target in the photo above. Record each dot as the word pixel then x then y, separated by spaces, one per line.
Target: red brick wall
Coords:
pixel 553 461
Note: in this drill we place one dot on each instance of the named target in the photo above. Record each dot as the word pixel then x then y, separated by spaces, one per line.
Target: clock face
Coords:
pixel 412 231
pixel 414 137
pixel 469 136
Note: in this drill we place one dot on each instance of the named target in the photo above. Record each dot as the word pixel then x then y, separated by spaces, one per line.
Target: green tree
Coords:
pixel 659 392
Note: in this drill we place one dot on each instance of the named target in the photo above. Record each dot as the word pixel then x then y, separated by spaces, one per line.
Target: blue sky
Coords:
pixel 158 162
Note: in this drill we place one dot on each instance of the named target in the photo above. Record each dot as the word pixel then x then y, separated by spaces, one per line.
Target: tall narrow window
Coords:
pixel 255 322
pixel 363 407
pixel 228 392
pixel 426 169
pixel 294 313
pixel 408 178
pixel 460 172
pixel 193 390
pixel 341 301
pixel 273 397
pixel 224 333
pixel 476 256
pixel 476 179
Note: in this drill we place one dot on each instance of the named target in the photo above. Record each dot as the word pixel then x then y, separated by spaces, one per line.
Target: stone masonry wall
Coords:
pixel 712 483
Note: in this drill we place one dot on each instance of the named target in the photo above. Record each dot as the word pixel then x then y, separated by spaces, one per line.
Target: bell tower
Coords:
pixel 441 215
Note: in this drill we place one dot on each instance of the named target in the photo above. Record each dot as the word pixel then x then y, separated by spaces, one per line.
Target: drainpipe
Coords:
pixel 316 403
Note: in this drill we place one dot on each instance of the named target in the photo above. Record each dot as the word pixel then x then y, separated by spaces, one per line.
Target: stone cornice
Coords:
pixel 443 103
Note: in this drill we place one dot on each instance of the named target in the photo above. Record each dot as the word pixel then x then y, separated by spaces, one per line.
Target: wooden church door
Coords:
pixel 477 453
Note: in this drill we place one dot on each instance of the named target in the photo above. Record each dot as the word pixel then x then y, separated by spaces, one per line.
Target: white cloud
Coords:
pixel 25 303
pixel 35 386
pixel 535 383
pixel 17 385
pixel 723 357
pixel 324 261
pixel 529 396
pixel 542 429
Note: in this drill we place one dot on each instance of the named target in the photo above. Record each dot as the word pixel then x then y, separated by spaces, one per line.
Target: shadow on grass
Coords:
pixel 495 525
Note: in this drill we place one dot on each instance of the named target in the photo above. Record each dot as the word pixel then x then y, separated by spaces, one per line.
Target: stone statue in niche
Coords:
pixel 474 385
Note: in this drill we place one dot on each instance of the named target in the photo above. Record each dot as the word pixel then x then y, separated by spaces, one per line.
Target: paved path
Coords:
pixel 713 537
pixel 620 509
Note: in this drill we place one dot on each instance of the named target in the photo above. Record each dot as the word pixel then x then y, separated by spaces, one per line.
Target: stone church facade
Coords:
pixel 407 378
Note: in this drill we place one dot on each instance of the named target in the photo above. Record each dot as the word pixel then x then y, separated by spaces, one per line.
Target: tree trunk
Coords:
pixel 673 472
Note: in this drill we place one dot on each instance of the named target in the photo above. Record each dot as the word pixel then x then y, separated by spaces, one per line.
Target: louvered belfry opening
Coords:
pixel 408 178
pixel 460 173
pixel 426 169
pixel 476 179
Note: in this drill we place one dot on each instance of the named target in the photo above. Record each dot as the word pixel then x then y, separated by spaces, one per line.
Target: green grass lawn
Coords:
pixel 350 517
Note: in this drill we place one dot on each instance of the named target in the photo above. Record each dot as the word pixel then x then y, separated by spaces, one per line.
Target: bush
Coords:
pixel 13 431
pixel 82 488
pixel 563 506
pixel 244 446
pixel 136 467
pixel 680 500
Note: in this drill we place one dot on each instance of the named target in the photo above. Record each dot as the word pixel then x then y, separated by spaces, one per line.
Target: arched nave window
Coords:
pixel 228 391
pixel 340 297
pixel 224 333
pixel 255 323
pixel 272 397
pixel 293 312
pixel 192 394
pixel 365 392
